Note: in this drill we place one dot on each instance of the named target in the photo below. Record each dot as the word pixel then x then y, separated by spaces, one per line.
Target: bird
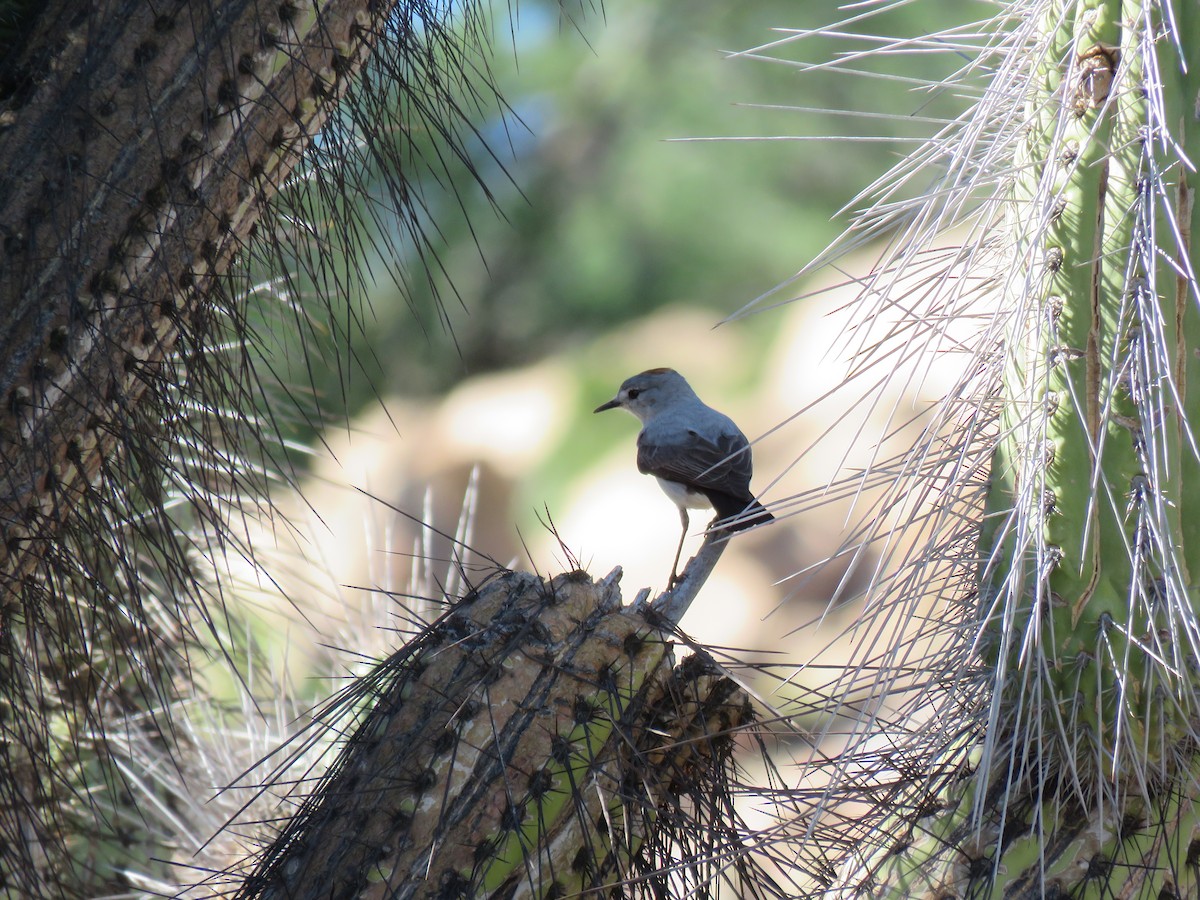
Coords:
pixel 699 456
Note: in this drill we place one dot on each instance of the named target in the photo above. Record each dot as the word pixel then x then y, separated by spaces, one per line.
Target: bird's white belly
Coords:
pixel 682 496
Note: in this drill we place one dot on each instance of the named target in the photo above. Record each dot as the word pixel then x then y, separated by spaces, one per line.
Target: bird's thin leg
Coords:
pixel 685 522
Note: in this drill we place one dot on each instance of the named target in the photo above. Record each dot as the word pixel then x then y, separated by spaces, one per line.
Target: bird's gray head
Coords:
pixel 648 393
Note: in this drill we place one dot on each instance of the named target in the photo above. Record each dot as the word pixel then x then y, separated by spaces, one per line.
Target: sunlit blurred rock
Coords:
pixel 512 420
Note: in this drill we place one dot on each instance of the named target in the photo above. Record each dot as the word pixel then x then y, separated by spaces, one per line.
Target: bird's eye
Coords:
pixel 633 394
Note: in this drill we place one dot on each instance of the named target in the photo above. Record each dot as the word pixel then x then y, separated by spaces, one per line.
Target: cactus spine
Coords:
pixel 1082 779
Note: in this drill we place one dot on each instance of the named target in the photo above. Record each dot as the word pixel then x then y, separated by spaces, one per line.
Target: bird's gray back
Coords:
pixel 677 422
pixel 694 444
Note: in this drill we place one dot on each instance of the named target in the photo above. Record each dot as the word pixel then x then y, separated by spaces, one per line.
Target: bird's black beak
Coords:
pixel 611 404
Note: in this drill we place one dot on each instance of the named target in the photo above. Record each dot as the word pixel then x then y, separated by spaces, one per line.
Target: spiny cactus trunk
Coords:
pixel 1084 780
pixel 140 143
pixel 537 741
pixel 141 150
pixel 1095 647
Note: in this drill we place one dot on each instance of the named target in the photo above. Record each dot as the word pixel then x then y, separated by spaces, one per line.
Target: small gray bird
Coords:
pixel 700 458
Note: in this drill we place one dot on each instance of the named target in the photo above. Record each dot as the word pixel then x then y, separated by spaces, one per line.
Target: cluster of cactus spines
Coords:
pixel 201 118
pixel 1061 758
pixel 1088 608
pixel 144 144
pixel 1064 586
pixel 536 741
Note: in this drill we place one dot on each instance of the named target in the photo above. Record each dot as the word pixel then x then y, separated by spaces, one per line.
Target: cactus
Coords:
pixel 536 741
pixel 144 145
pixel 1052 749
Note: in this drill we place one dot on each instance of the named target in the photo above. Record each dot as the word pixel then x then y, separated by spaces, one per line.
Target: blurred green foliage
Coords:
pixel 593 213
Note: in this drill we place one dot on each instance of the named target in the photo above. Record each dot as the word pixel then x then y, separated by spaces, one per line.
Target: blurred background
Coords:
pixel 652 168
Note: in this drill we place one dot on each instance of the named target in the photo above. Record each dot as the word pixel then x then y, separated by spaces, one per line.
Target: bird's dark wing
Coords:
pixel 722 465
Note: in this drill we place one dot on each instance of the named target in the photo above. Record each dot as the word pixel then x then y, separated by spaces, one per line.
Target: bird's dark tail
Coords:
pixel 738 513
